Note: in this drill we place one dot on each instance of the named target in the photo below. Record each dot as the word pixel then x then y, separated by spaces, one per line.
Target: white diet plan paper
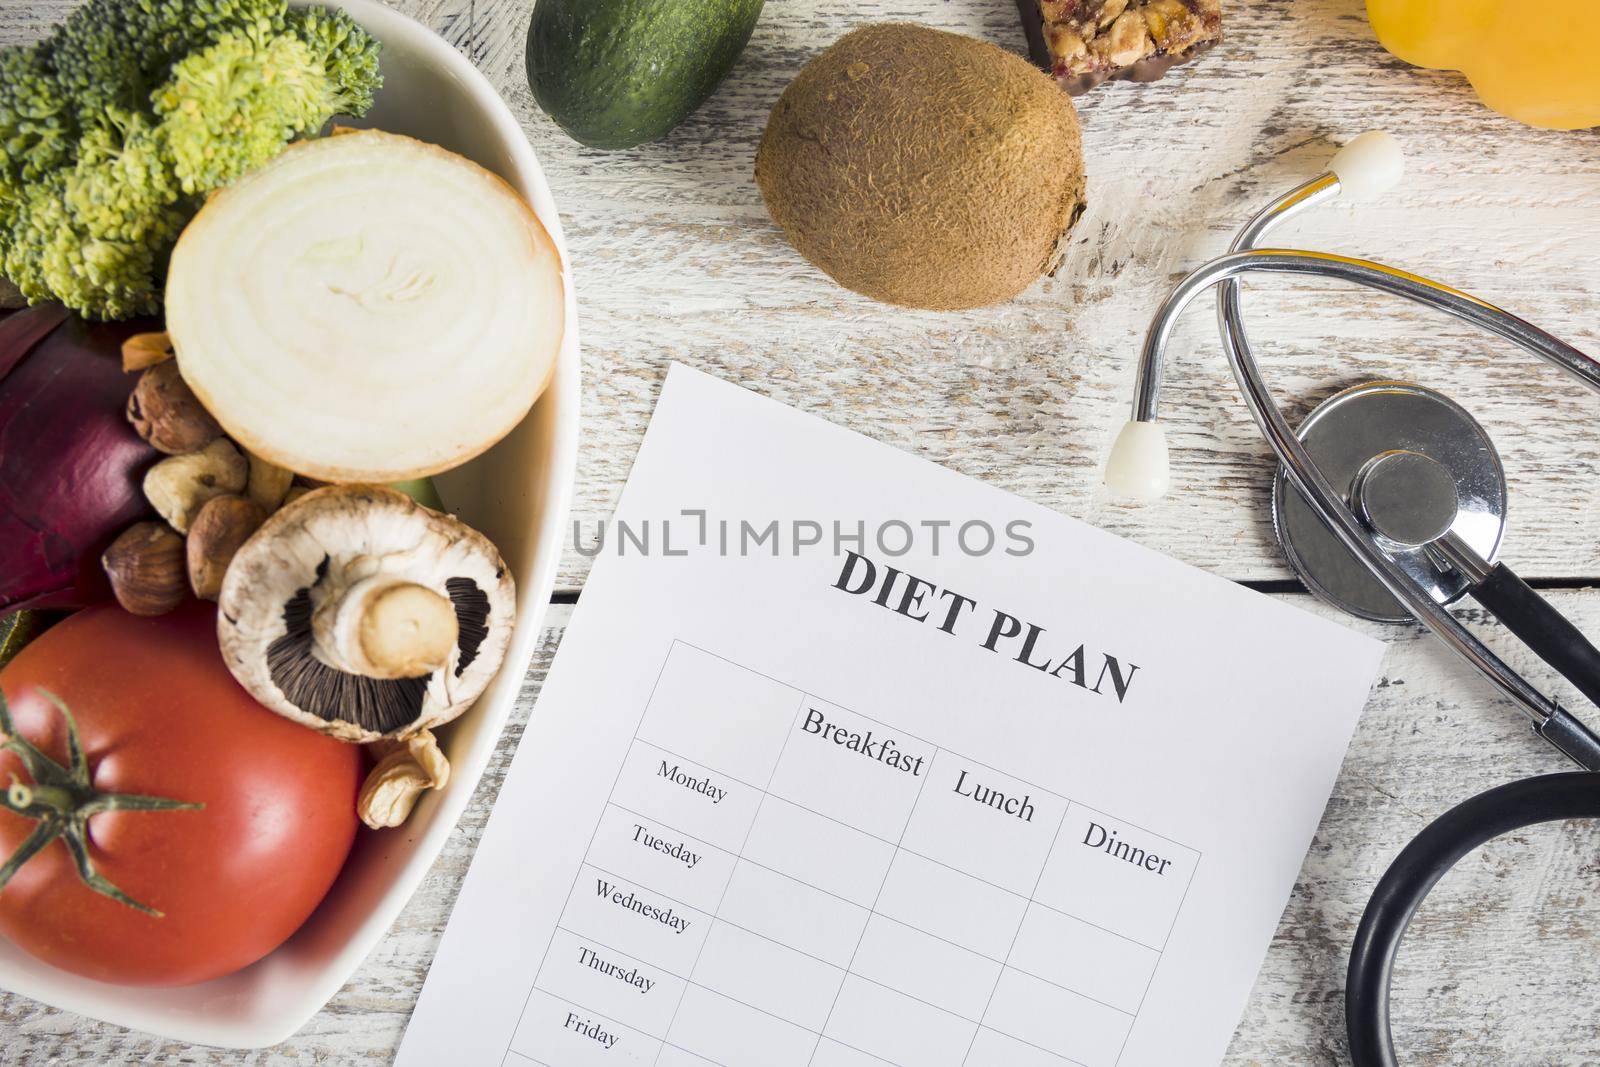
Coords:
pixel 1029 798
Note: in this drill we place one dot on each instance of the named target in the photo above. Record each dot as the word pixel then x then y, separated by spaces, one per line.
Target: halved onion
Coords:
pixel 366 307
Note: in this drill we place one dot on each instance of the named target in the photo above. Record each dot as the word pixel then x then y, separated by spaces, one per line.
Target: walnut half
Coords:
pixel 404 771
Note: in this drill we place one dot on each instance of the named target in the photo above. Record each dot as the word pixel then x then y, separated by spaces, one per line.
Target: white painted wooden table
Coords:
pixel 675 259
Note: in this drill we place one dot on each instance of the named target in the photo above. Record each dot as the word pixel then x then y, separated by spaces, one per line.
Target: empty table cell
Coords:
pixel 922 966
pixel 638 994
pixel 1084 958
pixel 641 921
pixel 554 1030
pixel 897 1028
pixel 830 1053
pixel 672 1056
pixel 992 1049
pixel 949 904
pixel 659 857
pixel 984 822
pixel 851 768
pixel 1116 875
pixel 724 1031
pixel 766 975
pixel 720 715
pixel 782 909
pixel 817 851
pixel 1057 1020
pixel 685 794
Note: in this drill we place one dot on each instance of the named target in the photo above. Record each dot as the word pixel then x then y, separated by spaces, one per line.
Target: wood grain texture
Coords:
pixel 675 259
pixel 1500 966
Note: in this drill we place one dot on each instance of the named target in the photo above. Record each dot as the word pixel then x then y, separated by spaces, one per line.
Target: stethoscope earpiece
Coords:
pixel 1369 166
pixel 1137 470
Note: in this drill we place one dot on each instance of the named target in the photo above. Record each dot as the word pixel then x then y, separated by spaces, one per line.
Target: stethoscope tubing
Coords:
pixel 1551 721
pixel 1418 868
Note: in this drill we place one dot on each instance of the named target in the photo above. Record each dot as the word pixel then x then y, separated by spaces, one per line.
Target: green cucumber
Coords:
pixel 619 73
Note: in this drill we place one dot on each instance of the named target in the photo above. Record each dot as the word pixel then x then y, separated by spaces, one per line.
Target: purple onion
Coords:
pixel 70 465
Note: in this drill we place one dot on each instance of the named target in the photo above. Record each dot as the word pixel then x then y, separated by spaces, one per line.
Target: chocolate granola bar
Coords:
pixel 1086 42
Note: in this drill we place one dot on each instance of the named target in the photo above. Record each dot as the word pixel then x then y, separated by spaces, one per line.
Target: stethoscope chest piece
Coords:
pixel 1379 437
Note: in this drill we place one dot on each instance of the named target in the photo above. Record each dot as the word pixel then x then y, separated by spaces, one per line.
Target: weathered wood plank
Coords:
pixel 675 258
pixel 1513 928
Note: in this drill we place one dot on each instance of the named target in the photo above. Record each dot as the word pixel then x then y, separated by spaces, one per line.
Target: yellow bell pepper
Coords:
pixel 1528 59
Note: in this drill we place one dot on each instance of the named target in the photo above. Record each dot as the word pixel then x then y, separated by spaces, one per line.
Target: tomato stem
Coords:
pixel 62 799
pixel 51 796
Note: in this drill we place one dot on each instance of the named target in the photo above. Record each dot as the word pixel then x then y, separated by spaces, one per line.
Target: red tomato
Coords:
pixel 159 715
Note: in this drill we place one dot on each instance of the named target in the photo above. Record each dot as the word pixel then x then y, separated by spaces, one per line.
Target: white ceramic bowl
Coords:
pixel 517 494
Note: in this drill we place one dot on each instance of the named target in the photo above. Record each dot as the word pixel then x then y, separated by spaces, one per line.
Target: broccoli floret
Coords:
pixel 96 235
pixel 250 92
pixel 37 131
pixel 121 183
pixel 114 53
pixel 54 255
pixel 113 129
pixel 345 50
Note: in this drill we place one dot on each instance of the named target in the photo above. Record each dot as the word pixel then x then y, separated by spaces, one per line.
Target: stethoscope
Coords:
pixel 1390 503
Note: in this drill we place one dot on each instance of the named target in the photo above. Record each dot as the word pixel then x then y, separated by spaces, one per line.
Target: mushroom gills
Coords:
pixel 472 618
pixel 382 705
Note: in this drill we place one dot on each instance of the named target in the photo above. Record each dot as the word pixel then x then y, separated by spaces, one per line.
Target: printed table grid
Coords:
pixel 647 743
pixel 791 948
pixel 901 846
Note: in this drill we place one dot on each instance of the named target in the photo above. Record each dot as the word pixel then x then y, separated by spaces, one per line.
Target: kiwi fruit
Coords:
pixel 924 168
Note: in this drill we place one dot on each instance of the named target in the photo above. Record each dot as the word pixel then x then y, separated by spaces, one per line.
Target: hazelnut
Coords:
pixel 146 568
pixel 165 412
pixel 221 525
pixel 179 486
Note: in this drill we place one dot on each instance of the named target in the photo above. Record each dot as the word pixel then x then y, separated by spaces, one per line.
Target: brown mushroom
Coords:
pixel 358 612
